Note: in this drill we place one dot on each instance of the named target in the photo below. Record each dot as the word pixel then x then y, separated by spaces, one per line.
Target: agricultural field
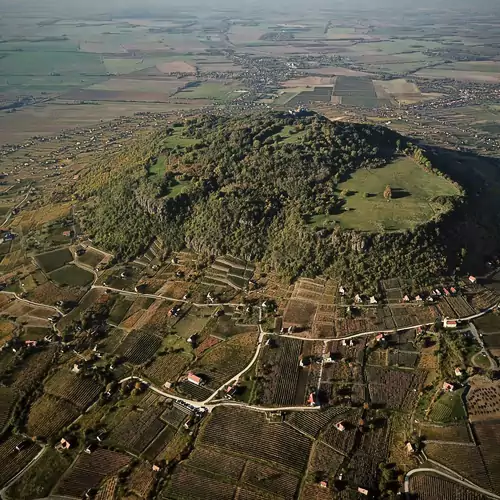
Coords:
pixel 449 407
pixel 167 367
pixel 89 470
pixel 49 415
pixel 360 92
pixel 14 461
pixel 278 373
pixel 229 271
pixel 458 433
pixel 139 346
pixel 7 400
pixel 39 479
pixel 221 91
pixel 54 260
pixel 483 399
pixel 429 487
pixel 487 434
pixel 71 275
pixel 141 480
pixel 223 361
pixel 91 258
pixel 247 433
pixel 413 189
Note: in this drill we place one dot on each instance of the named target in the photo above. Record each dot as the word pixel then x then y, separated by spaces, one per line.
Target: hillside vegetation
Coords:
pixel 261 187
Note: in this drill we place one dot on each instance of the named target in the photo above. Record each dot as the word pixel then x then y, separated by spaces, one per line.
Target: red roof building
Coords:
pixel 194 379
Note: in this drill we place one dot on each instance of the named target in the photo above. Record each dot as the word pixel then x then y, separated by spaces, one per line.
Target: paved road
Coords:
pixel 465 483
pixel 484 350
pixel 9 215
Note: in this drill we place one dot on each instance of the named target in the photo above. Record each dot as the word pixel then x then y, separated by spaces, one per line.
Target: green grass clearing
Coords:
pixel 51 261
pixel 366 209
pixel 71 275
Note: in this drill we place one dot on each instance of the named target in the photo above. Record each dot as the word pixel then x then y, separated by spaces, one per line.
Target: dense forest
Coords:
pixel 247 186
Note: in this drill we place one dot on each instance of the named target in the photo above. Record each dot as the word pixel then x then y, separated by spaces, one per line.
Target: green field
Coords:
pixel 51 261
pixel 211 90
pixel 366 209
pixel 71 275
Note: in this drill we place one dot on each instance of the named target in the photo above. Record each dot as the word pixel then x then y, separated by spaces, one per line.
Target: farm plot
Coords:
pixel 14 461
pixel 461 307
pixel 465 460
pixel 168 367
pixel 458 433
pixel 137 429
pixel 119 310
pixel 49 293
pixel 196 392
pixel 429 487
pixel 141 480
pixel 342 441
pixel 175 415
pixel 483 399
pixel 403 359
pixel 139 346
pixel 108 488
pixel 56 259
pixel 316 94
pixel 229 271
pixel 89 470
pixel 78 390
pixel 32 370
pixel 270 480
pixel 311 423
pixel 160 442
pixel 248 433
pixel 216 462
pixel 393 388
pixel 194 321
pixel 71 275
pixel 279 371
pixel 325 460
pixel 186 484
pixel 49 415
pixel 226 359
pixel 360 92
pixel 489 323
pixel 91 257
pixel 299 313
pixel 488 435
pixel 7 400
pixel 448 408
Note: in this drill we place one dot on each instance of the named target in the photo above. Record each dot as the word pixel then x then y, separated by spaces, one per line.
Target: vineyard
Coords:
pixel 458 433
pixel 342 441
pixel 483 399
pixel 160 442
pixel 193 391
pixel 248 433
pixel 89 470
pixel 226 359
pixel 390 388
pixel 78 390
pixel 49 415
pixel 279 371
pixel 185 484
pixel 7 400
pixel 311 423
pixel 325 459
pixel 167 367
pixel 12 460
pixel 141 480
pixel 403 358
pixel 33 369
pixel 467 462
pixel 429 487
pixel 271 480
pixel 461 307
pixel 488 435
pixel 137 429
pixel 139 346
pixel 216 462
pixel 107 490
pixel 175 415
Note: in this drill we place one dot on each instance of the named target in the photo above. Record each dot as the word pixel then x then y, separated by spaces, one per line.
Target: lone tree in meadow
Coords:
pixel 388 193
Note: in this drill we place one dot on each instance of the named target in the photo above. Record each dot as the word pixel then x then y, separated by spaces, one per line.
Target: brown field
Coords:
pixel 299 313
pixel 12 461
pixel 308 81
pixel 483 399
pixel 154 86
pixel 142 479
pixel 176 67
pixel 429 487
pixel 248 433
pixel 33 369
pixel 336 71
pixel 488 436
pixel 167 368
pixel 466 76
pixel 89 470
pixel 458 433
pixel 52 118
pixel 49 415
pixel 116 95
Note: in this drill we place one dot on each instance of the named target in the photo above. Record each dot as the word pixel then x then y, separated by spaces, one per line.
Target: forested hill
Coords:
pixel 250 185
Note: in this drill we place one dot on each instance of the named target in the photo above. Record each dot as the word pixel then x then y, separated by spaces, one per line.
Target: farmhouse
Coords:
pixel 340 426
pixel 68 234
pixel 410 449
pixel 447 387
pixel 406 298
pixel 363 491
pixel 64 444
pixel 194 379
pixel 323 484
pixel 311 400
pixel 373 300
pixel 458 372
pixel 473 279
pixel 450 323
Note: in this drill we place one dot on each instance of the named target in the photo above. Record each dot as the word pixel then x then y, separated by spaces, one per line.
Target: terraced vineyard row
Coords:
pixel 288 374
